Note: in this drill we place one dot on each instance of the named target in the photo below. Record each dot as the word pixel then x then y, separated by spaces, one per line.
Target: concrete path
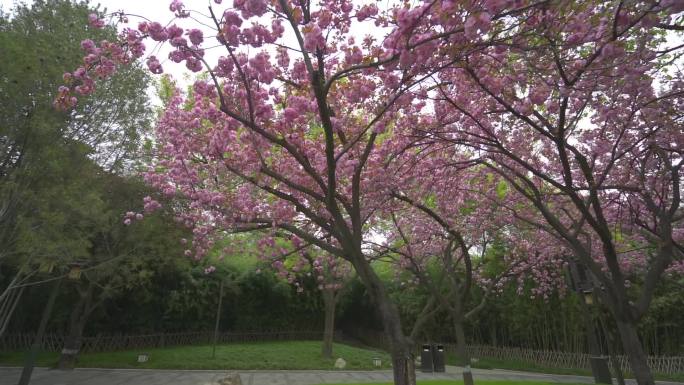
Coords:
pixel 42 376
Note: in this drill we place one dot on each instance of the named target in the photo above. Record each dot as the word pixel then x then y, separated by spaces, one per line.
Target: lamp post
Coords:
pixel 218 319
pixel 588 296
pixel 582 283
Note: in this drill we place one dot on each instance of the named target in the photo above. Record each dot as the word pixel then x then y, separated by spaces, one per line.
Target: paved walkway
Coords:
pixel 42 376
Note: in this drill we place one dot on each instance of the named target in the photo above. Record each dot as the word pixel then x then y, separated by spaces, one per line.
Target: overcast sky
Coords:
pixel 143 7
pixel 156 10
pixel 152 9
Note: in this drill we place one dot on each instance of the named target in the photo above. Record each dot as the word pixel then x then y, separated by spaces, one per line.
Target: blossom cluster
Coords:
pixel 443 126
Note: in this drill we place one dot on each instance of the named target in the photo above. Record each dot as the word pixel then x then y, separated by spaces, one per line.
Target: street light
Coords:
pixel 588 296
pixel 582 282
pixel 74 273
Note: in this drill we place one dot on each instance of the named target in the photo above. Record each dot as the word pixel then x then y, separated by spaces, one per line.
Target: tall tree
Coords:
pixel 122 252
pixel 456 238
pixel 296 261
pixel 285 142
pixel 298 141
pixel 578 106
pixel 43 151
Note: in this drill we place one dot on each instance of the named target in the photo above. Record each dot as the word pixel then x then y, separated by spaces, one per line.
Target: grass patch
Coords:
pixel 293 355
pixel 526 366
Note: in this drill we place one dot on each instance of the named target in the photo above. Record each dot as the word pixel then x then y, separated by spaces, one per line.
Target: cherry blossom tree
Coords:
pixel 578 107
pixel 453 237
pixel 287 130
pixel 296 261
pixel 298 122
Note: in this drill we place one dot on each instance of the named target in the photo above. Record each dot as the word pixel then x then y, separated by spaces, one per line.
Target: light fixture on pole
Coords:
pixel 75 270
pixel 588 296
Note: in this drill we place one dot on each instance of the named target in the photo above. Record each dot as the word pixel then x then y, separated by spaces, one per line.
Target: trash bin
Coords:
pixel 600 370
pixel 438 358
pixel 426 359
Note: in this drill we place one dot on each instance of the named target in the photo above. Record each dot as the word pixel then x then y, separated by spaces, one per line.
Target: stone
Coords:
pixel 340 363
pixel 231 379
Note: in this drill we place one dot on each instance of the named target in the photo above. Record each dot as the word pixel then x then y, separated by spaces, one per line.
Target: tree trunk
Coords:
pixel 592 341
pixel 77 320
pixel 610 345
pixel 329 325
pixel 401 349
pixel 634 351
pixel 403 366
pixel 72 346
pixel 38 341
pixel 411 369
pixel 462 352
pixel 8 307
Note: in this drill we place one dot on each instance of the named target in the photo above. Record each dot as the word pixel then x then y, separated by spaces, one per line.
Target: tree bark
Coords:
pixel 9 305
pixel 77 320
pixel 592 341
pixel 610 345
pixel 329 302
pixel 38 341
pixel 72 344
pixel 462 352
pixel 635 352
pixel 403 366
pixel 401 349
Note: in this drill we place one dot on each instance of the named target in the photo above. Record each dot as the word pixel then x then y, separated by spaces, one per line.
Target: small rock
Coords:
pixel 231 379
pixel 340 363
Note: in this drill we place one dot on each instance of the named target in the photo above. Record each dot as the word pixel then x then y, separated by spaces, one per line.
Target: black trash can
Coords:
pixel 438 358
pixel 426 359
pixel 600 369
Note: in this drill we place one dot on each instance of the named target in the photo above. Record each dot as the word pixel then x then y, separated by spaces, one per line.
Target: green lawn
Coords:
pixel 525 366
pixel 259 355
pixel 300 355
